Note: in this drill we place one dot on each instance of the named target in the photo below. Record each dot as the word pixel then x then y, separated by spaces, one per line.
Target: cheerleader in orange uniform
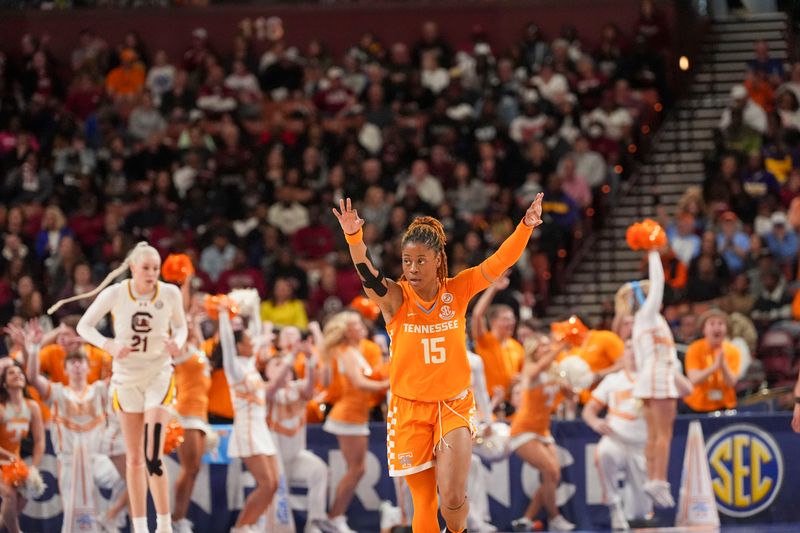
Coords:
pixel 18 417
pixel 348 419
pixel 192 382
pixel 428 420
pixel 530 432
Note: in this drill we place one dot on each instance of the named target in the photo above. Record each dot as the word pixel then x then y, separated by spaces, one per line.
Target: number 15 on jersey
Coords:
pixel 434 351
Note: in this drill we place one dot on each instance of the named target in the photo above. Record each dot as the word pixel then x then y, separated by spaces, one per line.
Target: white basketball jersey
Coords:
pixel 144 325
pixel 78 413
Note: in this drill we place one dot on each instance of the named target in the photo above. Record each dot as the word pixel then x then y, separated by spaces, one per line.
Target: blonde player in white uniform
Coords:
pixel 250 439
pixel 79 415
pixel 658 370
pixel 286 404
pixel 149 329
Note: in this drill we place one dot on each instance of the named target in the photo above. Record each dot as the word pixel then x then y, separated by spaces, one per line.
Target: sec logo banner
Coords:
pixel 746 469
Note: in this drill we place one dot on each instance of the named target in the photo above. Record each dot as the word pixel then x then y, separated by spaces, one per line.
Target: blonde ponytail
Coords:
pixel 334 332
pixel 625 298
pixel 140 248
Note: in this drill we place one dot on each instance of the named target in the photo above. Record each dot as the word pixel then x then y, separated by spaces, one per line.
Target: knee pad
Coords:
pixel 153 461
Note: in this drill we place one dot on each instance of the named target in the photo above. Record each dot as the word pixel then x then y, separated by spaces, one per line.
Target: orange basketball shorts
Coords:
pixel 415 429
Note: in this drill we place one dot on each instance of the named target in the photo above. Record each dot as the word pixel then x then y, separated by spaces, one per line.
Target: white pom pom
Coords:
pixel 576 372
pixel 104 471
pixel 212 440
pixel 247 300
pixel 494 447
pixel 34 485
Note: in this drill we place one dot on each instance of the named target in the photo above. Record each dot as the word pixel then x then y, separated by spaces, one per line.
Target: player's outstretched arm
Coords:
pixel 381 290
pixel 511 249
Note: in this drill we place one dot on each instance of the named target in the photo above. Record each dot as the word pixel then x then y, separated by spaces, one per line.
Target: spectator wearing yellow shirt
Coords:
pixel 283 309
pixel 502 355
pixel 712 365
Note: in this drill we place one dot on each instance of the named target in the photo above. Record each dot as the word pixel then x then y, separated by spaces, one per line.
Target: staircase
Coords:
pixel 674 163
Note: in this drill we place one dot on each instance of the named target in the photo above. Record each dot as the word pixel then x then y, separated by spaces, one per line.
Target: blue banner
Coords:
pixel 751 457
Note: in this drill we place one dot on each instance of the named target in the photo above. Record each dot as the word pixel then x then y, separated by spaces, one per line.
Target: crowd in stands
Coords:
pixel 733 242
pixel 236 157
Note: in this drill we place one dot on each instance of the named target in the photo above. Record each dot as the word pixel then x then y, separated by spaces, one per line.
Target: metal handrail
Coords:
pixel 634 180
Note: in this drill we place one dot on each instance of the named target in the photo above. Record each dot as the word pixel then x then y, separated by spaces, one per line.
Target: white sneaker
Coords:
pixel 619 521
pixel 341 524
pixel 322 525
pixel 108 528
pixel 166 528
pixel 660 492
pixel 522 524
pixel 559 523
pixel 184 525
pixel 484 527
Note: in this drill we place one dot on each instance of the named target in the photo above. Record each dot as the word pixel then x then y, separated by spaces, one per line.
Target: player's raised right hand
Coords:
pixel 348 217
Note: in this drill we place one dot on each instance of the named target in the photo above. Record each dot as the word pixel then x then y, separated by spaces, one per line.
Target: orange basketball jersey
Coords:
pixel 428 340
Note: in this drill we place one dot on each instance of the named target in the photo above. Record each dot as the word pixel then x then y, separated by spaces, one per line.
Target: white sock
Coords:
pixel 164 523
pixel 140 525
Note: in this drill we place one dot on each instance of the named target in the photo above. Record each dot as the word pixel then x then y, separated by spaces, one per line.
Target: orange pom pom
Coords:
pixel 571 330
pixel 646 235
pixel 654 235
pixel 15 473
pixel 177 268
pixel 365 307
pixel 633 234
pixel 174 436
pixel 212 304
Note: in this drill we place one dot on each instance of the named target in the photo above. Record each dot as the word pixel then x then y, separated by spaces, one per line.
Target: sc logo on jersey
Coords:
pixel 140 322
pixel 746 469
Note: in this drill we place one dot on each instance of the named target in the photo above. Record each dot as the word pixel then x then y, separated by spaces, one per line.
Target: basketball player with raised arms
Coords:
pixel 429 420
pixel 149 330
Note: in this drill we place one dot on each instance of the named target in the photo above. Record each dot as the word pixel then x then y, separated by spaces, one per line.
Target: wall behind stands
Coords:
pixel 339 26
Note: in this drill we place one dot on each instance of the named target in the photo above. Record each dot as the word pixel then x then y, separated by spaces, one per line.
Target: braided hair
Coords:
pixel 429 232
